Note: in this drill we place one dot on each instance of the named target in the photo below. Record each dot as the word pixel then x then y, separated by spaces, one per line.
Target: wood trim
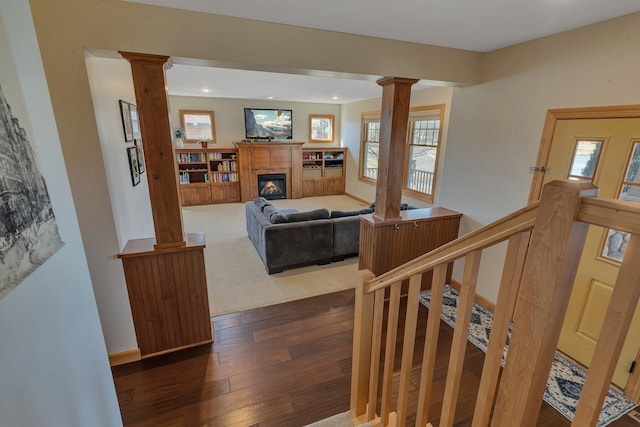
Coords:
pixel 552 117
pixel 123 357
pixel 363 201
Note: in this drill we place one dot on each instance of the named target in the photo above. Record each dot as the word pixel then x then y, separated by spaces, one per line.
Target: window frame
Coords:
pixel 415 113
pixel 187 139
pixel 321 117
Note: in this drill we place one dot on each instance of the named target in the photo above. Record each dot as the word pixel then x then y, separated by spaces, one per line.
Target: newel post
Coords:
pixel 554 253
pixel 362 333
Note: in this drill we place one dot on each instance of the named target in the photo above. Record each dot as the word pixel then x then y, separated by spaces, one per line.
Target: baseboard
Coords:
pixel 363 201
pixel 489 305
pixel 123 357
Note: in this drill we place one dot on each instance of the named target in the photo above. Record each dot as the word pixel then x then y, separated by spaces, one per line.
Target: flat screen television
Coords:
pixel 267 124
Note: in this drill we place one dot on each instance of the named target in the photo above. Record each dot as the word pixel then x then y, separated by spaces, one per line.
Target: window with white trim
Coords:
pixel 422 148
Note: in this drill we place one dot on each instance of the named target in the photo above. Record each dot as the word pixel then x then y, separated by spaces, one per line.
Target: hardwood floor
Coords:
pixel 286 365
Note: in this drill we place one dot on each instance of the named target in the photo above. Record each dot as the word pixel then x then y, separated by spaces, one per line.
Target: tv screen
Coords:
pixel 267 123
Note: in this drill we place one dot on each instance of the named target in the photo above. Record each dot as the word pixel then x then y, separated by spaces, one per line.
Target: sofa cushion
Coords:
pixel 307 216
pixel 261 202
pixel 273 215
pixel 340 214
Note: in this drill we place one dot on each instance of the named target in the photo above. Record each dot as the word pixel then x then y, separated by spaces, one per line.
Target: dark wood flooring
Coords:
pixel 286 365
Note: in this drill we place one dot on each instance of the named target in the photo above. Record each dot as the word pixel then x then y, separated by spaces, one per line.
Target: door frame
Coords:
pixel 632 389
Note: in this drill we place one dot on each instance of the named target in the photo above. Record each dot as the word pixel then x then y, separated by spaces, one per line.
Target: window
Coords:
pixel 423 142
pixel 585 160
pixel 199 125
pixel 320 128
pixel 615 242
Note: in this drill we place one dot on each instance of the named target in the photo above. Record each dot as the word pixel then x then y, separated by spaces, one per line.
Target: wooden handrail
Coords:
pixel 496 232
pixel 553 232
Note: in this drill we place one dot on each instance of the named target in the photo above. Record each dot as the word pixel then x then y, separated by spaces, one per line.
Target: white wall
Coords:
pixel 54 366
pixel 229 115
pixel 496 127
pixel 110 81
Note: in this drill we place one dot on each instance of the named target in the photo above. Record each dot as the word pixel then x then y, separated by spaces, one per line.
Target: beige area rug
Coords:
pixel 236 277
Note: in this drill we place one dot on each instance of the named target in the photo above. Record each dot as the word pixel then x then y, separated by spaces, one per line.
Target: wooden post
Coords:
pixel 396 93
pixel 153 111
pixel 556 245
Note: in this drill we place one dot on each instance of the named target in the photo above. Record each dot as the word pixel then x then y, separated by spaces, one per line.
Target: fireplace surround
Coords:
pixel 272 186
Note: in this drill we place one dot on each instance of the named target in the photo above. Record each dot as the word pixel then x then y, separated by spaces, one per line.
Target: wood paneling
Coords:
pixel 385 245
pixel 269 157
pixel 168 295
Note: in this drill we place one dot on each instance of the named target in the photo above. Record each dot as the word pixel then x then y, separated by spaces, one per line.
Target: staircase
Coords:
pixel 549 236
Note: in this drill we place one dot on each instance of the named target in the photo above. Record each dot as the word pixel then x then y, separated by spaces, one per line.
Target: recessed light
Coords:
pixel 269 97
pixel 335 97
pixel 205 90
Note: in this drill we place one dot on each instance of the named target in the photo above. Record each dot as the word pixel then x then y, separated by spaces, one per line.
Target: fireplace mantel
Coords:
pixel 269 157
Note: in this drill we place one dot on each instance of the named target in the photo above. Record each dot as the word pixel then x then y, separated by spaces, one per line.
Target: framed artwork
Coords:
pixel 132 153
pixel 321 128
pixel 140 154
pixel 125 114
pixel 135 123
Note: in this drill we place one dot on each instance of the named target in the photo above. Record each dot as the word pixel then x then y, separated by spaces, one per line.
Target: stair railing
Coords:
pixel 549 236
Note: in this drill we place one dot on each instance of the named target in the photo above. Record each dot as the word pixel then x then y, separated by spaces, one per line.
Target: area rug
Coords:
pixel 565 379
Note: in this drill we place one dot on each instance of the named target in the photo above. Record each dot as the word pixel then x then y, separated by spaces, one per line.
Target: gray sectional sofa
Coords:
pixel 288 238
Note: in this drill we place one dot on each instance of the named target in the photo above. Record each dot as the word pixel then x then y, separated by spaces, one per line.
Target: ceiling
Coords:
pixel 480 26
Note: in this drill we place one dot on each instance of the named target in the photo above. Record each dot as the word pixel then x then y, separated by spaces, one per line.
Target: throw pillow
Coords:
pixel 340 214
pixel 273 215
pixel 307 216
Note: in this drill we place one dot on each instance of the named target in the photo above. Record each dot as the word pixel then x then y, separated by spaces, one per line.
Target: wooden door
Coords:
pixel 607 153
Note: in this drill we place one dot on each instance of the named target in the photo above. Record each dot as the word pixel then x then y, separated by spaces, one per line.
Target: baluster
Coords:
pixel 460 333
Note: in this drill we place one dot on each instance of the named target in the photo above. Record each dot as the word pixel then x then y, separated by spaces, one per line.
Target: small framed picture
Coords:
pixel 125 114
pixel 135 123
pixel 140 154
pixel 132 154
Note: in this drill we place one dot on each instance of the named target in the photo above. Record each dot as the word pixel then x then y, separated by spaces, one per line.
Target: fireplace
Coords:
pixel 272 186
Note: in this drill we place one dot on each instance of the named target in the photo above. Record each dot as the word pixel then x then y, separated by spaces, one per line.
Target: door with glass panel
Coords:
pixel 607 153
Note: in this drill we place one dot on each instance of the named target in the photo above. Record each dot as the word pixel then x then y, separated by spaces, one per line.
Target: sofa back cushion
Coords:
pixel 340 214
pixel 307 216
pixel 261 202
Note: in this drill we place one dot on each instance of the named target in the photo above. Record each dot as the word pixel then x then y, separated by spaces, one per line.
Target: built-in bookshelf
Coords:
pixel 323 171
pixel 208 175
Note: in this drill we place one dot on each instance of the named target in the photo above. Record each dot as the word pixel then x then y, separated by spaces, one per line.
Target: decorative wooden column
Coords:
pixel 153 112
pixel 396 94
pixel 165 275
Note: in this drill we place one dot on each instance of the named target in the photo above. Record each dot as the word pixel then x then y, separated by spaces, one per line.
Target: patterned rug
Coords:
pixel 565 379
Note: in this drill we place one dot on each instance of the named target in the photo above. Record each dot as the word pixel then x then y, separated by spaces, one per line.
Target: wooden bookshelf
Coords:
pixel 208 175
pixel 323 171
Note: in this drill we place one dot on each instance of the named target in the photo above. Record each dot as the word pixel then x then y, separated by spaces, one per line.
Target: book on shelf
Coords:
pixel 191 157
